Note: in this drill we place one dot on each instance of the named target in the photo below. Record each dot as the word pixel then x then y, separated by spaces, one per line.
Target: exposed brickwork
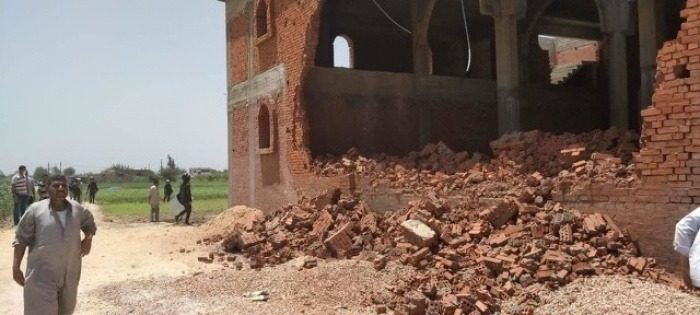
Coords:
pixel 292 44
pixel 237 32
pixel 669 158
pixel 671 130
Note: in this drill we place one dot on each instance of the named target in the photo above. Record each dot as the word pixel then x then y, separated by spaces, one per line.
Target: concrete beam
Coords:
pixel 505 15
pixel 421 12
pixel 569 28
pixel 650 23
pixel 615 18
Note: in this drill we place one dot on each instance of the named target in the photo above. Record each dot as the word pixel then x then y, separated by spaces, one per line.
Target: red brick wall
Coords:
pixel 671 128
pixel 669 158
pixel 292 44
pixel 237 37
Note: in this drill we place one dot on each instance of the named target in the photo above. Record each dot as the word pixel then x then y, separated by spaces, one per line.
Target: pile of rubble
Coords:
pixel 468 256
pixel 550 154
pixel 560 161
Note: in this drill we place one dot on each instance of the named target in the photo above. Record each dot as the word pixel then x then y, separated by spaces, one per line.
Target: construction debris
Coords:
pixel 483 232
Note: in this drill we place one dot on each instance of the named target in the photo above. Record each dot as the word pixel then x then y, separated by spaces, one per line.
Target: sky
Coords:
pixel 90 83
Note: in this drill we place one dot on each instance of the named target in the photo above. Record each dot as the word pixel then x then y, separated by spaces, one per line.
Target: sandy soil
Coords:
pixel 138 268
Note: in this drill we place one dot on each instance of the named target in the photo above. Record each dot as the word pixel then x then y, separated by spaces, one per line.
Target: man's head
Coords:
pixel 22 170
pixel 56 187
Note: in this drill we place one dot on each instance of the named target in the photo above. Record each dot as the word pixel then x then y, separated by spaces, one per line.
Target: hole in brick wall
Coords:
pixel 342 52
pixel 681 71
pixel 264 128
pixel 261 18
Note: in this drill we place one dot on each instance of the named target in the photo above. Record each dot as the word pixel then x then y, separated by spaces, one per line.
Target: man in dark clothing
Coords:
pixel 77 191
pixel 167 191
pixel 185 198
pixel 92 189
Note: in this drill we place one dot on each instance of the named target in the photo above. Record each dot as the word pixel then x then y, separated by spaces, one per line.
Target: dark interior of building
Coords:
pixel 380 105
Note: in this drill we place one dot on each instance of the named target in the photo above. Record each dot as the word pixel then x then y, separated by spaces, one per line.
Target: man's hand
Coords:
pixel 18 275
pixel 86 245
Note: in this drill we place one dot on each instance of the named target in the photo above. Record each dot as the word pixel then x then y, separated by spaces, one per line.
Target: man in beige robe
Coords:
pixel 51 229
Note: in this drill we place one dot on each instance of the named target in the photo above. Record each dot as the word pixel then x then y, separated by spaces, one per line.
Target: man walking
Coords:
pixel 51 229
pixel 22 189
pixel 167 191
pixel 92 189
pixel 185 198
pixel 154 201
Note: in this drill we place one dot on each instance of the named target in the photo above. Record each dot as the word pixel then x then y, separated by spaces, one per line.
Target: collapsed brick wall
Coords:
pixel 669 157
pixel 671 130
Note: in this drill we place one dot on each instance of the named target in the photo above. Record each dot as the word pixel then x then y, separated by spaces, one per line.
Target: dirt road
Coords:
pixel 138 268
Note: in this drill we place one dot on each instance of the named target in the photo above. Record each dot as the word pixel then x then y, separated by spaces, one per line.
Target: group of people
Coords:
pixel 24 192
pixel 184 197
pixel 58 232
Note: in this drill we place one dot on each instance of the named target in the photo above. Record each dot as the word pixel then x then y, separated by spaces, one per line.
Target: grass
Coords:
pixel 130 199
pixel 5 199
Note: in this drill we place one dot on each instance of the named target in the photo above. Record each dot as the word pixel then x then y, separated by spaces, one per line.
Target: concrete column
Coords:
pixel 616 23
pixel 421 12
pixel 650 24
pixel 506 14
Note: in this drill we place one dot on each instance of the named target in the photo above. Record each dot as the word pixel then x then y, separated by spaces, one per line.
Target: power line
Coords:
pixel 469 42
pixel 390 18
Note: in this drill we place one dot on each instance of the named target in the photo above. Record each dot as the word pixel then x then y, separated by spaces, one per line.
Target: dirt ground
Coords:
pixel 138 268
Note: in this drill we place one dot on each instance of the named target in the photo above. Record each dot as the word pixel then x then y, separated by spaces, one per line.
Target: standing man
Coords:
pixel 154 201
pixel 167 191
pixel 51 229
pixel 43 192
pixel 22 189
pixel 185 198
pixel 92 189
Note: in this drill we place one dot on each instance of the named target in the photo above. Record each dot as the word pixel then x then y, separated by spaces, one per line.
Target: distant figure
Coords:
pixel 75 190
pixel 154 201
pixel 43 191
pixel 51 229
pixel 92 189
pixel 185 198
pixel 167 191
pixel 22 190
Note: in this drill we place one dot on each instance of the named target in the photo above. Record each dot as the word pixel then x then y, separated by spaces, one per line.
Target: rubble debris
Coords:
pixel 257 296
pixel 482 232
pixel 464 260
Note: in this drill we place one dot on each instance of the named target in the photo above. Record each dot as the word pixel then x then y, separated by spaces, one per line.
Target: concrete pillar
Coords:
pixel 651 25
pixel 506 14
pixel 616 23
pixel 421 11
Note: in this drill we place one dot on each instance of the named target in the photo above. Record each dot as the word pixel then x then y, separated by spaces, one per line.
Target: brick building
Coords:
pixel 416 77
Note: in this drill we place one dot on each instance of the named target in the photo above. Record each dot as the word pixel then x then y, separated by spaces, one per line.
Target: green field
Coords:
pixel 129 200
pixel 5 199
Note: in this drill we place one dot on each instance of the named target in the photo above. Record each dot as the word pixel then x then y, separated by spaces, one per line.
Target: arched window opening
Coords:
pixel 262 15
pixel 342 52
pixel 264 128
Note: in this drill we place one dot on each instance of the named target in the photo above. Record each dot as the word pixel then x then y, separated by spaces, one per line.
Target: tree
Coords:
pixel 2 174
pixel 171 162
pixel 171 171
pixel 69 171
pixel 39 172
